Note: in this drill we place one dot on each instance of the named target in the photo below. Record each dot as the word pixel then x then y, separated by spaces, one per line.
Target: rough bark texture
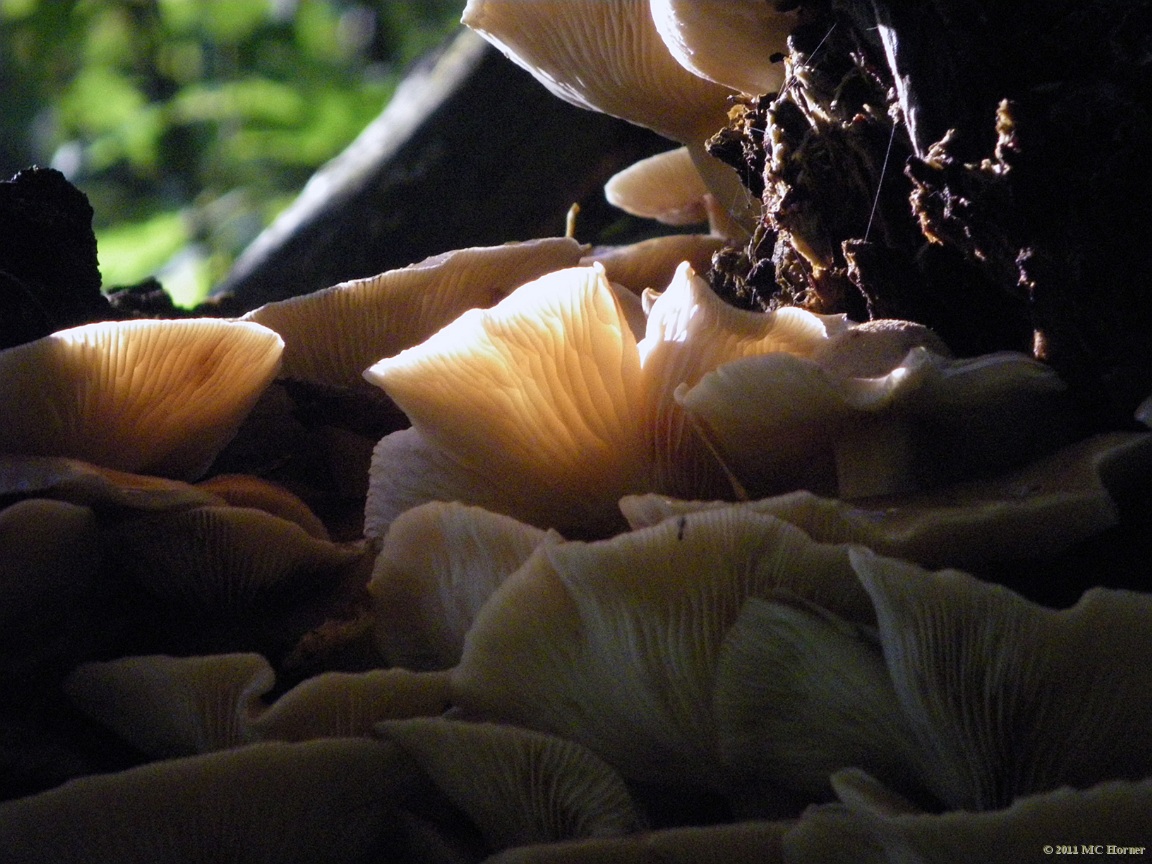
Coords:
pixel 970 164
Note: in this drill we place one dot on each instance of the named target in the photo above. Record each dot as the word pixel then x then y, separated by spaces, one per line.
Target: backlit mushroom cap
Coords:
pixel 160 397
pixel 246 490
pixel 321 801
pixel 174 706
pixel 652 263
pixel 212 558
pixel 84 483
pixel 332 336
pixel 518 786
pixel 800 694
pixel 1040 509
pixel 606 55
pixel 736 43
pixel 1112 815
pixel 1008 698
pixel 614 643
pixel 537 393
pixel 666 187
pixel 437 566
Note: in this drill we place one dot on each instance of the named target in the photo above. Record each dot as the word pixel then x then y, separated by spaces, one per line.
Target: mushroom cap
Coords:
pixel 437 566
pixel 518 786
pixel 526 408
pixel 604 55
pixel 737 43
pixel 321 801
pixel 986 679
pixel 248 490
pixel 666 187
pixel 158 397
pixel 331 336
pixel 614 643
pixel 652 263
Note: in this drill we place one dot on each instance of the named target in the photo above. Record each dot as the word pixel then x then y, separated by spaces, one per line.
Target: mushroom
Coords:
pixel 652 263
pixel 533 394
pixel 438 564
pixel 331 336
pixel 607 56
pixel 214 558
pixel 801 693
pixel 665 187
pixel 737 43
pixel 156 397
pixel 322 801
pixel 1116 816
pixel 614 643
pixel 247 490
pixel 1007 698
pixel 1035 511
pixel 515 785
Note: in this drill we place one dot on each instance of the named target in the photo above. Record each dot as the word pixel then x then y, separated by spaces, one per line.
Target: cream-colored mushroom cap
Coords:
pixel 518 786
pixel 266 803
pixel 437 566
pixel 737 43
pixel 986 678
pixel 653 263
pixel 537 393
pixel 666 187
pixel 159 397
pixel 332 336
pixel 614 643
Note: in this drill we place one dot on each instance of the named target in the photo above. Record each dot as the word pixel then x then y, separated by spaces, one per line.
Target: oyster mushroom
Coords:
pixel 331 336
pixel 665 187
pixel 1007 698
pixel 607 56
pixel 518 786
pixel 614 643
pixel 155 397
pixel 653 263
pixel 322 801
pixel 438 564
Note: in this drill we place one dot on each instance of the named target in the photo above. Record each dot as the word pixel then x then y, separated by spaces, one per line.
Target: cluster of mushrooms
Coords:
pixel 639 576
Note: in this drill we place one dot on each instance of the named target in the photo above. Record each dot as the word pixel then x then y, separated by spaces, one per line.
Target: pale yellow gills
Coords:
pixel 226 558
pixel 607 56
pixel 1111 820
pixel 665 187
pixel 528 408
pixel 518 786
pixel 652 263
pixel 802 693
pixel 614 643
pixel 923 423
pixel 690 333
pixel 437 565
pixel 153 397
pixel 174 706
pixel 266 803
pixel 745 842
pixel 82 482
pixel 1035 511
pixel 737 43
pixel 1008 698
pixel 331 336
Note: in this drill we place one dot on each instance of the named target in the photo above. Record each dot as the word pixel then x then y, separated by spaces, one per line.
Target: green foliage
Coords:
pixel 190 123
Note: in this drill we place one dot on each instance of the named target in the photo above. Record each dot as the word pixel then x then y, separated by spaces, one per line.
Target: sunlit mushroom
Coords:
pixel 331 336
pixel 157 397
pixel 665 187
